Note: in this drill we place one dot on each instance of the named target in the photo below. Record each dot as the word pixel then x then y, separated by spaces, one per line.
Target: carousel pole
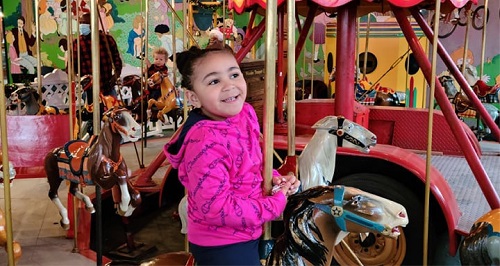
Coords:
pixel 38 58
pixel 483 40
pixel 269 104
pixel 174 55
pixel 5 159
pixel 71 96
pixel 144 73
pixel 185 7
pixel 428 164
pixel 291 79
pixel 365 54
pixel 96 77
pixel 466 42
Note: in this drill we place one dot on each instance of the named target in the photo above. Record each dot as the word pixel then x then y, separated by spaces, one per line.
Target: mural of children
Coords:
pixel 63 46
pixel 105 14
pixel 83 8
pixel 159 12
pixel 22 41
pixel 318 35
pixel 239 40
pixel 163 33
pixel 15 67
pixel 62 21
pixel 19 65
pixel 135 37
pixel 47 22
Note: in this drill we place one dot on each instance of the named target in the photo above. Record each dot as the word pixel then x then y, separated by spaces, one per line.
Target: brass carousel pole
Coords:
pixel 428 164
pixel 291 78
pixel 96 77
pixel 39 58
pixel 144 75
pixel 466 42
pixel 185 7
pixel 5 158
pixel 269 102
pixel 365 54
pixel 483 40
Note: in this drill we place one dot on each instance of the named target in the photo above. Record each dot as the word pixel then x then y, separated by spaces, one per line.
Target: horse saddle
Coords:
pixel 462 102
pixel 74 153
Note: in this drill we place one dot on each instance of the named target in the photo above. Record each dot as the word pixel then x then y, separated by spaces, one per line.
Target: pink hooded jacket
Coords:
pixel 220 164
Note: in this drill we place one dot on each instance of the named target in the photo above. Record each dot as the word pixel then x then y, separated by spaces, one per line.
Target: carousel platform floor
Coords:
pixel 36 221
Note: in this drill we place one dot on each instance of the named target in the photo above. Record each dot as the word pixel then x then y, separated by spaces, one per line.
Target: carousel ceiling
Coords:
pixel 367 6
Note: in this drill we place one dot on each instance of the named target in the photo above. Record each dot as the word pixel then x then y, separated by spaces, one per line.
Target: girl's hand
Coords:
pixel 284 187
pixel 292 179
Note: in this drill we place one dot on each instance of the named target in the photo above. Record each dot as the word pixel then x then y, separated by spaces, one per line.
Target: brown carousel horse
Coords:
pixel 383 96
pixel 168 100
pixel 96 162
pixel 316 220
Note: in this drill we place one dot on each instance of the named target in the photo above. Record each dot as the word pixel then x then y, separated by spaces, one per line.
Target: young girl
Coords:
pixel 160 56
pixel 219 159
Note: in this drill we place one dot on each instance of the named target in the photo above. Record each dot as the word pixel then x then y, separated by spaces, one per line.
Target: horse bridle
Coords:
pixel 115 127
pixel 343 135
pixel 340 215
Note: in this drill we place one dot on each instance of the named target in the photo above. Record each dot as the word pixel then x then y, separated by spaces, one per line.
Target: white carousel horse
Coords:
pixel 316 220
pixel 317 160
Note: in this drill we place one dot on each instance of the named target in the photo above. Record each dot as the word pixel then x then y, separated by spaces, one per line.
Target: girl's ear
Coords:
pixel 193 98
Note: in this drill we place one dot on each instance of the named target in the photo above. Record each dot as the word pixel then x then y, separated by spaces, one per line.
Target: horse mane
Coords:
pixel 299 236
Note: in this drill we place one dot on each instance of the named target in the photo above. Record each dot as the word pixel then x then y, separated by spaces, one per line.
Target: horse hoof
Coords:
pixel 90 209
pixel 63 225
pixel 120 212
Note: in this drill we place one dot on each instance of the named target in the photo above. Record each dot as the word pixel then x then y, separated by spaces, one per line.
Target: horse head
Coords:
pixel 317 160
pixel 156 78
pixel 28 98
pixel 449 86
pixel 23 95
pixel 12 171
pixel 317 219
pixel 357 211
pixel 122 120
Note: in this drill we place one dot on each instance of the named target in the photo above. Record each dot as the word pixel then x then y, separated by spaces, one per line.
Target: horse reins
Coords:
pixel 343 135
pixel 340 215
pixel 115 127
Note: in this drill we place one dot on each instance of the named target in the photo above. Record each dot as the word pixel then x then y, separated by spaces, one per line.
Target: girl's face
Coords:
pixel 219 87
pixel 159 59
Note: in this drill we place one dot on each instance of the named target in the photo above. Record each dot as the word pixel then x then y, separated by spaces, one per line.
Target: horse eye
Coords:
pixel 356 199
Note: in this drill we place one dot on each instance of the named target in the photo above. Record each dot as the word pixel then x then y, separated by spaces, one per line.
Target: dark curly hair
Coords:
pixel 186 61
